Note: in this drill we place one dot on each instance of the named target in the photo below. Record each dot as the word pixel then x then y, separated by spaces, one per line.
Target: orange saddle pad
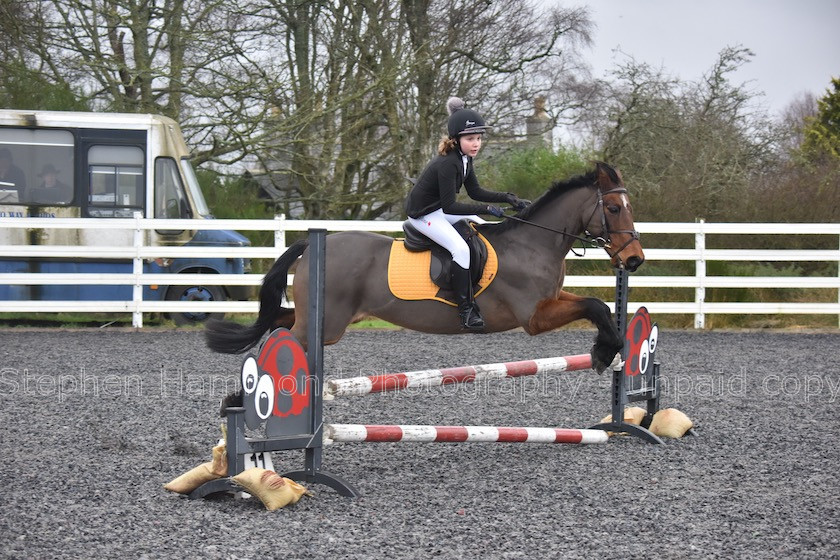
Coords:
pixel 408 273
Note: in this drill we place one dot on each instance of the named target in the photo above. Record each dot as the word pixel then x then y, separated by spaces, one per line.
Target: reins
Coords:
pixel 588 238
pixel 566 233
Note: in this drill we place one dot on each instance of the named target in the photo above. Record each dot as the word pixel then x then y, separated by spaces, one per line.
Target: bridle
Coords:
pixel 606 243
pixel 600 241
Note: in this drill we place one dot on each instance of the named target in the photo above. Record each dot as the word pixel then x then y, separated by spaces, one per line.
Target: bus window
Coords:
pixel 36 166
pixel 195 189
pixel 170 200
pixel 116 181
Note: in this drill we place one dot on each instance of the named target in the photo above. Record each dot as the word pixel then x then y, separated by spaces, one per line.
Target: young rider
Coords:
pixel 432 208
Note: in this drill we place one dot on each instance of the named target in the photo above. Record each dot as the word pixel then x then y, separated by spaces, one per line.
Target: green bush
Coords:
pixel 233 197
pixel 236 198
pixel 529 170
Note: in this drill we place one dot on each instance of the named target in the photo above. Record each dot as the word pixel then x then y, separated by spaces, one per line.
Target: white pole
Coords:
pixel 700 271
pixel 137 270
pixel 280 233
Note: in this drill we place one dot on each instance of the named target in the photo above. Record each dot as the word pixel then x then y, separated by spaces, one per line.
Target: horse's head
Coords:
pixel 611 222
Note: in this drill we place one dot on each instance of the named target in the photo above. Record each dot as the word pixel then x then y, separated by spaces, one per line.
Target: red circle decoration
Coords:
pixel 282 357
pixel 638 350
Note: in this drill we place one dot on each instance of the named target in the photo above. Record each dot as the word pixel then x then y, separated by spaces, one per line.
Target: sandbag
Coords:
pixel 670 423
pixel 192 479
pixel 273 490
pixel 205 472
pixel 632 415
pixel 220 462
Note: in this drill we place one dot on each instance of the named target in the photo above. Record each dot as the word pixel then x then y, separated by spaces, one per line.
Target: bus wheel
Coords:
pixel 194 293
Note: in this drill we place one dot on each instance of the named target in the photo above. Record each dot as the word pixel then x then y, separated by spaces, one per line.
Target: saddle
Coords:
pixel 441 262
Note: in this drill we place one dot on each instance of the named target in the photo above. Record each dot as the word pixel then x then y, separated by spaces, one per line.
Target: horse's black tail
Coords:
pixel 229 337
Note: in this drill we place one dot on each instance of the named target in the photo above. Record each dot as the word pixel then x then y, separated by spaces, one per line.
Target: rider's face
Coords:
pixel 470 144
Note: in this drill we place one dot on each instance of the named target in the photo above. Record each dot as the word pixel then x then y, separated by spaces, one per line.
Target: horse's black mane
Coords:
pixel 557 189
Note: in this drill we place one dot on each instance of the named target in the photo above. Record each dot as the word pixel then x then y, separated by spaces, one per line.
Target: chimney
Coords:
pixel 538 127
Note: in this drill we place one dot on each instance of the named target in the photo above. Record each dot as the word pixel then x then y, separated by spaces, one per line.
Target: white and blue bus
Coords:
pixel 100 166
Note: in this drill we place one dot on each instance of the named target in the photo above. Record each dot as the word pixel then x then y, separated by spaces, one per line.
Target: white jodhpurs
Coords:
pixel 437 226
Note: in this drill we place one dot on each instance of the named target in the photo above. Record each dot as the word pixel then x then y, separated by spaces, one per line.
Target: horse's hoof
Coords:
pixel 598 365
pixel 600 361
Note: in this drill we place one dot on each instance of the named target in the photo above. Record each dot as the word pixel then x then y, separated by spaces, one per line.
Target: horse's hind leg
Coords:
pixel 566 308
pixel 285 318
pixel 338 311
pixel 336 322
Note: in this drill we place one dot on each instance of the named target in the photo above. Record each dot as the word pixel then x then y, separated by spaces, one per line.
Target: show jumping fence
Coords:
pixel 357 433
pixel 302 427
pixel 466 374
pixel 140 250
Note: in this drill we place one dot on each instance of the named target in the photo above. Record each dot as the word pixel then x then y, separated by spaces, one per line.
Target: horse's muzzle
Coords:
pixel 633 263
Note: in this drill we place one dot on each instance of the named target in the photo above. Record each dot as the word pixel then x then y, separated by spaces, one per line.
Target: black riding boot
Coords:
pixel 467 308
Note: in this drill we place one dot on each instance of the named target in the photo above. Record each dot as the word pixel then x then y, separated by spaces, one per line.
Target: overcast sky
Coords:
pixel 796 42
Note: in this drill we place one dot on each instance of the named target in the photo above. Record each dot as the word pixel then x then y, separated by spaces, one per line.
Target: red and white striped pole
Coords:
pixel 427 434
pixel 434 377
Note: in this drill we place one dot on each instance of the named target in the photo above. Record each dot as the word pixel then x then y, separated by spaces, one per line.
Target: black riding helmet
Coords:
pixel 462 120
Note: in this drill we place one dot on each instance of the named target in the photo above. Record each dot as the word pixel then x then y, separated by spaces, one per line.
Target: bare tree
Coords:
pixel 360 100
pixel 338 101
pixel 693 149
pixel 28 80
pixel 794 120
pixel 136 56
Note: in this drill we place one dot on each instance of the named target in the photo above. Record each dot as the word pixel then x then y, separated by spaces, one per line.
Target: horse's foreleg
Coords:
pixel 553 313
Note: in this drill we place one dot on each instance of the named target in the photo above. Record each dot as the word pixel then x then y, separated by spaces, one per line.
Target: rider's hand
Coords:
pixel 516 202
pixel 495 211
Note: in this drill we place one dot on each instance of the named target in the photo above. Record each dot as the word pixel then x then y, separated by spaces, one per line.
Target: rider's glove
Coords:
pixel 495 211
pixel 516 202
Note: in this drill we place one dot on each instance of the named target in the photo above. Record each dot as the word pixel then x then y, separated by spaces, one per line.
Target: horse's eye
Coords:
pixel 614 209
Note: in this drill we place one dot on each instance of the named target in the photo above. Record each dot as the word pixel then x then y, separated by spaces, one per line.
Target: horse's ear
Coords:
pixel 607 176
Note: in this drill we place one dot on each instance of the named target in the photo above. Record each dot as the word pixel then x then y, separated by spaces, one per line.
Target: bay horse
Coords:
pixel 527 291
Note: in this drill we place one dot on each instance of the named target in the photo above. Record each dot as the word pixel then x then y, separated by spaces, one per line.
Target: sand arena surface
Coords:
pixel 95 422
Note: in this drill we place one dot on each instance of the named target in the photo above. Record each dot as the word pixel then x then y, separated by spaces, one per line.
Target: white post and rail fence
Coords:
pixel 141 252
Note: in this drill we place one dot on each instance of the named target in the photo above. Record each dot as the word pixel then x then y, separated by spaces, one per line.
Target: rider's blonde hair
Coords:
pixel 446 145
